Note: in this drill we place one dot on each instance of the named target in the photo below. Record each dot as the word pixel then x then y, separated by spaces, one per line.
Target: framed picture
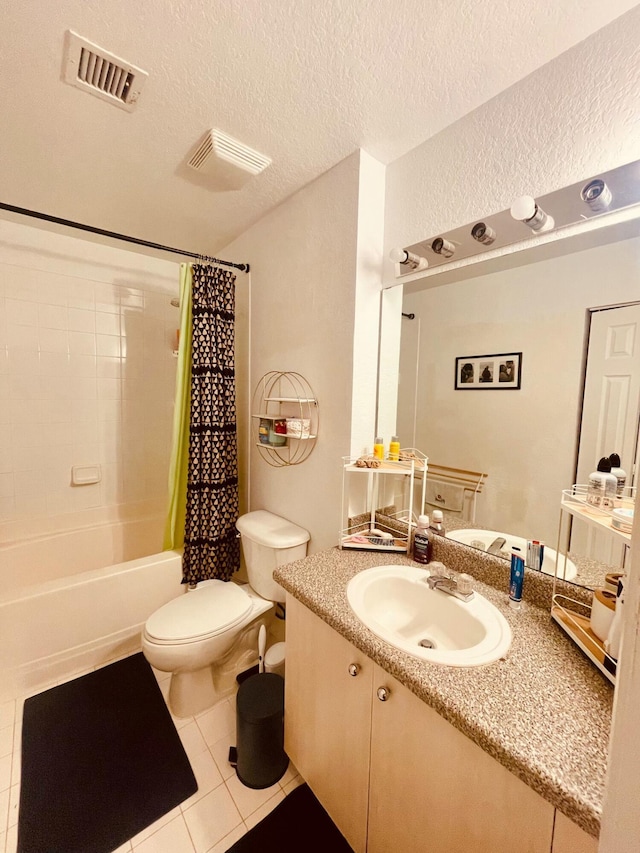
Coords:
pixel 499 372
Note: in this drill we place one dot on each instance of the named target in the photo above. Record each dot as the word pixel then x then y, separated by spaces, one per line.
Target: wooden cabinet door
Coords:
pixel 328 719
pixel 431 788
pixel 569 838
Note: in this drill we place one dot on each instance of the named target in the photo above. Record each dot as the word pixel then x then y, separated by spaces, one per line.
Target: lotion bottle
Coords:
pixel 422 545
pixel 602 486
pixel 437 522
pixel 619 473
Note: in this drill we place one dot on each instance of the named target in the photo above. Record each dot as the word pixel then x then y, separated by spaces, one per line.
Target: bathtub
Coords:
pixel 54 628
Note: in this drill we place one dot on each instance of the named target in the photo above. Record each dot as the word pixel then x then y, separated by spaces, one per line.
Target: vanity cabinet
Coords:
pixel 389 770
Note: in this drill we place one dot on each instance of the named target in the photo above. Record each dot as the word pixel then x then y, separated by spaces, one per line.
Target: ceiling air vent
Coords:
pixel 229 162
pixel 99 72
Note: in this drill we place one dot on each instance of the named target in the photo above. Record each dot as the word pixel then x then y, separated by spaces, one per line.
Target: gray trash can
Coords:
pixel 261 759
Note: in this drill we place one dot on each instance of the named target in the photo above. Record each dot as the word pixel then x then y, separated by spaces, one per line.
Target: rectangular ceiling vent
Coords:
pixel 101 73
pixel 227 161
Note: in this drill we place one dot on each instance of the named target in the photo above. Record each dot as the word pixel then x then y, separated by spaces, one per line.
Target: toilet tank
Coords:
pixel 269 541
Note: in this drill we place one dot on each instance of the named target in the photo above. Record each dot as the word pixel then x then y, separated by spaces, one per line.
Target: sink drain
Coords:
pixel 427 643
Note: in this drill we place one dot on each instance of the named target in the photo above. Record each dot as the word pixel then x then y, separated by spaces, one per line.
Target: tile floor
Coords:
pixel 220 812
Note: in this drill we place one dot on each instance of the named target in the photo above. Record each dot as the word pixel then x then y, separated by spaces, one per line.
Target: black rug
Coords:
pixel 298 823
pixel 101 760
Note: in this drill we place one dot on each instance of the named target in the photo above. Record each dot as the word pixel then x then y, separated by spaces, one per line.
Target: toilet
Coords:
pixel 206 636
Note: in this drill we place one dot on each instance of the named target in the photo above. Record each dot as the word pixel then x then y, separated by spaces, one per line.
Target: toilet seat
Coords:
pixel 197 615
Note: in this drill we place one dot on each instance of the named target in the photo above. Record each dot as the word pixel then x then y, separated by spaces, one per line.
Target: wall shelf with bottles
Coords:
pixel 364 482
pixel 572 615
pixel 285 418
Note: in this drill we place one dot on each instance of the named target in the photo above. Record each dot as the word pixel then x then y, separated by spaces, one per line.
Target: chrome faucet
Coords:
pixel 496 546
pixel 460 588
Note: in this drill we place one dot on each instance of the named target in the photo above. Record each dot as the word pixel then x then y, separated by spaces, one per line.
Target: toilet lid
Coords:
pixel 201 613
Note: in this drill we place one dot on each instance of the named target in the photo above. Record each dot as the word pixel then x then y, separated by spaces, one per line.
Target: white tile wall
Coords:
pixel 87 376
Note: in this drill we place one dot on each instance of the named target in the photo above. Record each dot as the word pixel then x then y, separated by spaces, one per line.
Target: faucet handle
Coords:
pixel 439 570
pixel 465 584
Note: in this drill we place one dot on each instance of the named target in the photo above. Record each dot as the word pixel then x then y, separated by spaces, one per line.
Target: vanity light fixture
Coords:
pixel 483 233
pixel 526 209
pixel 443 247
pixel 408 259
pixel 597 195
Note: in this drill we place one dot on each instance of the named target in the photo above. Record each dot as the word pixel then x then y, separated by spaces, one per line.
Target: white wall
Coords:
pixel 312 259
pixel 524 440
pixel 576 116
pixel 87 376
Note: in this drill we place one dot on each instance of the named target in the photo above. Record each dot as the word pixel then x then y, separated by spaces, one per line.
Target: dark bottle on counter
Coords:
pixel 422 545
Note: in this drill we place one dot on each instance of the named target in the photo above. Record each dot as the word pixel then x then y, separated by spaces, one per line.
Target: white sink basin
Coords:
pixel 481 539
pixel 396 603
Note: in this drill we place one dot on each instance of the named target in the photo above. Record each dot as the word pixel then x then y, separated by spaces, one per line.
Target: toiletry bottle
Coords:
pixel 437 522
pixel 394 448
pixel 378 448
pixel 602 486
pixel 422 545
pixel 517 578
pixel 619 473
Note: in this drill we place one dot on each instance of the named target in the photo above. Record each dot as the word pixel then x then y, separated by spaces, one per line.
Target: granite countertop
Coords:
pixel 544 711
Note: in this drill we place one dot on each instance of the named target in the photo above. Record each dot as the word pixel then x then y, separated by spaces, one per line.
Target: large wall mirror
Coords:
pixel 571 308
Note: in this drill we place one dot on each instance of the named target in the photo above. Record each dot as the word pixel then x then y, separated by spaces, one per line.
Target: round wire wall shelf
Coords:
pixel 285 418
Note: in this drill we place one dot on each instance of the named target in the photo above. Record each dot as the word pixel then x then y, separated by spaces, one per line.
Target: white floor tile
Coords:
pixel 293 784
pixel 4 810
pixel 207 776
pixel 6 741
pixel 290 773
pixel 220 752
pixel 124 848
pixel 192 740
pixel 211 818
pixel 154 827
pixel 5 772
pixel 249 799
pixel 14 805
pixel 218 722
pixel 3 838
pixel 172 838
pixel 7 713
pixel 12 840
pixel 235 835
pixel 259 814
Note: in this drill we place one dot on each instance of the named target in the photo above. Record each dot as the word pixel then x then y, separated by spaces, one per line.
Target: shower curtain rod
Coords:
pixel 138 242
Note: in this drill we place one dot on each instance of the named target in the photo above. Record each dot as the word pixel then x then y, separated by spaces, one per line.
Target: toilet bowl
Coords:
pixel 209 634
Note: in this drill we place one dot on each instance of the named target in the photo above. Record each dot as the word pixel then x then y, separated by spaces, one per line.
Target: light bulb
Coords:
pixel 408 259
pixel 483 233
pixel 526 210
pixel 443 247
pixel 597 195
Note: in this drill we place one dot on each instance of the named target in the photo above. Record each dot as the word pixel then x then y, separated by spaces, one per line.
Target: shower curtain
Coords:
pixel 205 461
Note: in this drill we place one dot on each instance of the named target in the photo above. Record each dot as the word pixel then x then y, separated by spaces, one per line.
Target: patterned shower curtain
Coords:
pixel 211 547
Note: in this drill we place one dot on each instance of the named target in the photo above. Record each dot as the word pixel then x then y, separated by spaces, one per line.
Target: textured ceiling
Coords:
pixel 304 81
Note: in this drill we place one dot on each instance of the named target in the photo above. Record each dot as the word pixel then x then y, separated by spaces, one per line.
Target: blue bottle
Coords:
pixel 517 578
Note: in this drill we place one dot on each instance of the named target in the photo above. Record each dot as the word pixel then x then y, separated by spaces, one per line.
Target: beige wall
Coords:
pixel 307 258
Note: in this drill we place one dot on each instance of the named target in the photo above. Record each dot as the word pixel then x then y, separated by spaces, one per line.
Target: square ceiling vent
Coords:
pixel 101 73
pixel 228 162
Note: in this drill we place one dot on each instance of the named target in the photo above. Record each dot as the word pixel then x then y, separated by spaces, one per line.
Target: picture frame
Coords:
pixel 497 372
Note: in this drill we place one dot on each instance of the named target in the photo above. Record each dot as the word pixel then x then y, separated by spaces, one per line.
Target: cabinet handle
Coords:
pixel 383 693
pixel 354 669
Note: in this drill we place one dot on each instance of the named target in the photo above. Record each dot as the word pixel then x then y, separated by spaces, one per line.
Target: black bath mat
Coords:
pixel 101 760
pixel 298 823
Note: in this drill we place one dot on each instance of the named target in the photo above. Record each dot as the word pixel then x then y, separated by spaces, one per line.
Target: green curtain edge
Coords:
pixel 178 467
